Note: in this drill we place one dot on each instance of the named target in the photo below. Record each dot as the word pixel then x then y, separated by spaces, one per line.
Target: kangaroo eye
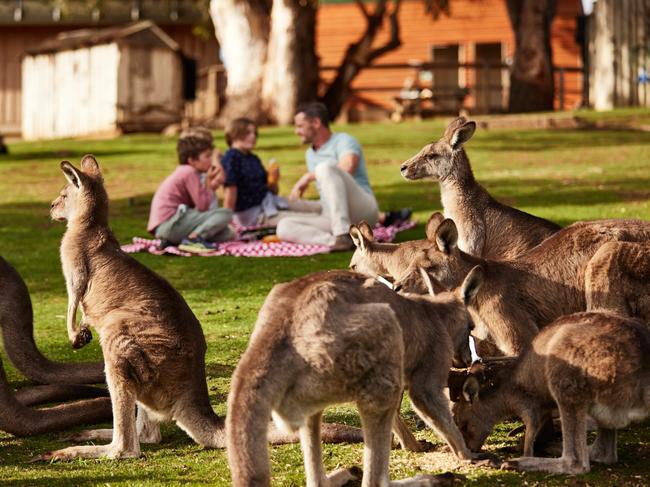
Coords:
pixel 353 267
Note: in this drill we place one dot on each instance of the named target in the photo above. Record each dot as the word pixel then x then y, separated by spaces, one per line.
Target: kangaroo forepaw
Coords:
pixel 82 338
pixel 484 459
pixel 442 479
pixel 342 476
pixel 510 465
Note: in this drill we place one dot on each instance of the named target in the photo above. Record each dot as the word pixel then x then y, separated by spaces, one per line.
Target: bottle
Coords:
pixel 273 172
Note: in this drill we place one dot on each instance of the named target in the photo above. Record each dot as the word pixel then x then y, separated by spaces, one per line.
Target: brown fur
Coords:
pixel 153 345
pixel 522 296
pixel 16 321
pixel 591 363
pixel 19 420
pixel 618 279
pixel 486 227
pixel 339 336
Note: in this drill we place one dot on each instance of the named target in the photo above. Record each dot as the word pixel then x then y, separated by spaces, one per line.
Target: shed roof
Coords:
pixel 144 33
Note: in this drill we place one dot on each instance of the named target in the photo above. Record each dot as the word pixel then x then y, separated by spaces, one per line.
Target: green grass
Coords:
pixel 561 175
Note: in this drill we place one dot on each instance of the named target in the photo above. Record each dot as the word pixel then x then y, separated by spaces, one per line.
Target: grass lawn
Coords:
pixel 560 175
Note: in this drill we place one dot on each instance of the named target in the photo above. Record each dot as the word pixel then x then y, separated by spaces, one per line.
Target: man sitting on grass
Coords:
pixel 336 162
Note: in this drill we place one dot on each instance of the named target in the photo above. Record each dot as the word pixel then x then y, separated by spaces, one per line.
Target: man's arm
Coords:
pixel 349 162
pixel 302 184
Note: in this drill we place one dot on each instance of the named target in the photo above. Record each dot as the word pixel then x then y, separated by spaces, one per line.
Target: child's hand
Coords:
pixel 216 176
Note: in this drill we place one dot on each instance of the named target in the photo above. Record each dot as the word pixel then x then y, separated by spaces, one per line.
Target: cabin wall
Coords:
pixel 70 93
pixel 149 88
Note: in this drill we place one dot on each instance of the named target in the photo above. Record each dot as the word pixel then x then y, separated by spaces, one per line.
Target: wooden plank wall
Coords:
pixel 471 22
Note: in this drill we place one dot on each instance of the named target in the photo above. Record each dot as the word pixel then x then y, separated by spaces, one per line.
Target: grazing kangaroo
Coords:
pixel 486 227
pixel 618 278
pixel 590 363
pixel 153 345
pixel 523 295
pixel 19 420
pixel 16 321
pixel 339 336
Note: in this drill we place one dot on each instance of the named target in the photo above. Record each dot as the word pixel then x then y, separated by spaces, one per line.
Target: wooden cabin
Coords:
pixel 26 24
pixel 102 81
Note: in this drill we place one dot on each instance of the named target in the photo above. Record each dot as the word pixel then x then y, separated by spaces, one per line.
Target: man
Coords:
pixel 335 161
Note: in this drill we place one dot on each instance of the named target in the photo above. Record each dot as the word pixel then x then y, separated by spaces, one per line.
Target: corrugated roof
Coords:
pixel 141 33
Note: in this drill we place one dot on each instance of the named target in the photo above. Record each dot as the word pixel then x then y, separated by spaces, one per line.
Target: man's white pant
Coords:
pixel 344 202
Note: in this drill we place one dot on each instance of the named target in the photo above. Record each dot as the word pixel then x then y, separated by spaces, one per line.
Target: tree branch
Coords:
pixel 394 42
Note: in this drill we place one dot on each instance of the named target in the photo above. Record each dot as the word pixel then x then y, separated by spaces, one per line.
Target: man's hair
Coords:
pixel 192 142
pixel 237 129
pixel 315 109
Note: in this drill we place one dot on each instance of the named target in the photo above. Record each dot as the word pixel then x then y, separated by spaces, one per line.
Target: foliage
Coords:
pixel 562 175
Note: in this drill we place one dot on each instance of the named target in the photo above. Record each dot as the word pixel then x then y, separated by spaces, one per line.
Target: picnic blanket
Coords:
pixel 258 248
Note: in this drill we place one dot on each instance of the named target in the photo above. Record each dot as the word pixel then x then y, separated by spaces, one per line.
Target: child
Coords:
pixel 249 190
pixel 184 209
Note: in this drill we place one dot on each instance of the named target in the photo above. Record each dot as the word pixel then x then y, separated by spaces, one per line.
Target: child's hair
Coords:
pixel 192 142
pixel 237 129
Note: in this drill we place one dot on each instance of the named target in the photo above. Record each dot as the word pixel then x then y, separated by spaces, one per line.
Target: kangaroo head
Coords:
pixel 362 260
pixel 443 260
pixel 84 197
pixel 441 159
pixel 473 409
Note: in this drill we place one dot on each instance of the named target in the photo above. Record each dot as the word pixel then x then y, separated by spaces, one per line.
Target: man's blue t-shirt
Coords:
pixel 246 172
pixel 338 145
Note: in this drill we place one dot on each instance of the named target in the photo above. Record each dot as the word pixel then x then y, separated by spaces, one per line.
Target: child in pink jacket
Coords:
pixel 184 209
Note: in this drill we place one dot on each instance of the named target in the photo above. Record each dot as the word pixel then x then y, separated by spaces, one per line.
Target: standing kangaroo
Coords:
pixel 590 363
pixel 486 227
pixel 16 321
pixel 153 345
pixel 618 279
pixel 338 336
pixel 521 296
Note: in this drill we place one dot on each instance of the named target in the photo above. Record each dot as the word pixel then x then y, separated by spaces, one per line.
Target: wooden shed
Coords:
pixel 102 81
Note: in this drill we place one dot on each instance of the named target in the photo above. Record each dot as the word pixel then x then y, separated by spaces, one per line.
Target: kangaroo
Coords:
pixel 388 260
pixel 486 227
pixel 19 420
pixel 523 295
pixel 589 363
pixel 153 345
pixel 16 321
pixel 618 278
pixel 339 336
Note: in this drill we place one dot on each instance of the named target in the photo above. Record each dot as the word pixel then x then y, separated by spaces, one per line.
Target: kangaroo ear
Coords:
pixel 358 238
pixel 433 223
pixel 446 236
pixel 427 281
pixel 470 389
pixel 366 231
pixel 89 165
pixel 462 134
pixel 472 284
pixel 71 174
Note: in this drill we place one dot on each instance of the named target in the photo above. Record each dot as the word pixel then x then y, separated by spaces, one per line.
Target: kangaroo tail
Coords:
pixel 16 321
pixel 19 420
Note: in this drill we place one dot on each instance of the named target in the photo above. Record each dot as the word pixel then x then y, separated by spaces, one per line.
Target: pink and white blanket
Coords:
pixel 257 248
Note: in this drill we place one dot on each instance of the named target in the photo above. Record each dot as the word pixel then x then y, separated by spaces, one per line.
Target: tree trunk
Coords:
pixel 361 54
pixel 531 81
pixel 242 30
pixel 291 71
